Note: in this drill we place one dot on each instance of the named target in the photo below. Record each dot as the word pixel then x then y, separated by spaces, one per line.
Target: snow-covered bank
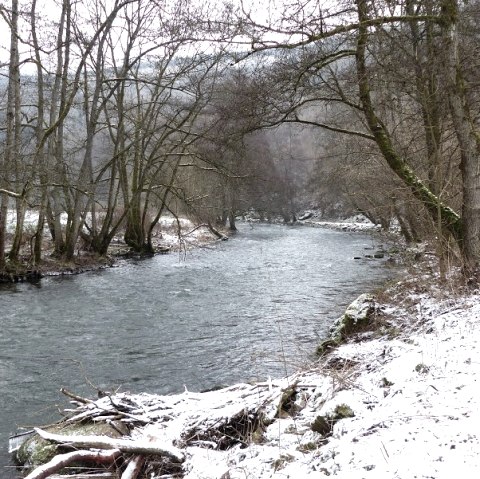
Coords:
pixel 399 401
pixel 414 393
pixel 171 234
pixel 349 225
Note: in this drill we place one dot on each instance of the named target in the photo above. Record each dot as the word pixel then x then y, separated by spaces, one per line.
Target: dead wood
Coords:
pixel 100 475
pixel 75 397
pixel 63 460
pixel 137 446
pixel 162 425
pixel 133 468
pixel 239 429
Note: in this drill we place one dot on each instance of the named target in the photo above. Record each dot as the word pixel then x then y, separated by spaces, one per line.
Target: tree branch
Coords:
pixel 259 46
pixel 331 128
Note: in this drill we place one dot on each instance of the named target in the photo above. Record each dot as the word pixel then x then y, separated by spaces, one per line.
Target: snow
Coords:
pixel 412 385
pixel 415 400
pixel 421 421
pixel 354 224
pixel 174 233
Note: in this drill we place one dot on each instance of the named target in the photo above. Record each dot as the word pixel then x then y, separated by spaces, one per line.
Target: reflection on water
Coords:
pixel 241 310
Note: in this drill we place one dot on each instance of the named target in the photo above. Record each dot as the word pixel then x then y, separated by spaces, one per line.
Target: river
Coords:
pixel 241 310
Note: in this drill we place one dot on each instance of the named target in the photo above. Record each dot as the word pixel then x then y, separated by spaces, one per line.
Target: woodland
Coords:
pixel 116 112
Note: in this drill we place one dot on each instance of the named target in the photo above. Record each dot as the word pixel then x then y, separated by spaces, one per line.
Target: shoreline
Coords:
pixel 402 387
pixel 119 251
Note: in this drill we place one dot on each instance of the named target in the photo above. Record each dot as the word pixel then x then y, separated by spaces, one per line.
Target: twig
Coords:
pixel 75 397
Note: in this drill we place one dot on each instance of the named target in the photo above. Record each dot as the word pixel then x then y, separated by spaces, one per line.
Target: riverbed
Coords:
pixel 241 310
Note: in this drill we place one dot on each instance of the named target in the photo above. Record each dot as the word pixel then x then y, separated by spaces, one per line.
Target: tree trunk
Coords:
pixel 3 228
pixel 64 460
pixel 231 221
pixel 450 220
pixel 468 139
pixel 12 140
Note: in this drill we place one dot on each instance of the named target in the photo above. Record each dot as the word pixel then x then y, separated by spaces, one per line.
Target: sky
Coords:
pixel 260 11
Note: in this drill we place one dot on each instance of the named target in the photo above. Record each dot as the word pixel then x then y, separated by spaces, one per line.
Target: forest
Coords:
pixel 116 112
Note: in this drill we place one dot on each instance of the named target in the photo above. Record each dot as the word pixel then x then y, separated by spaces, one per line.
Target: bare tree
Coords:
pixel 312 46
pixel 10 164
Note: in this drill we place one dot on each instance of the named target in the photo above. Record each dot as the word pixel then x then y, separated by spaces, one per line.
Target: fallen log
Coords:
pixel 100 475
pixel 124 445
pixel 63 460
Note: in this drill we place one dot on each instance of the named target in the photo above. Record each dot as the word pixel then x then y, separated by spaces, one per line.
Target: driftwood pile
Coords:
pixel 158 431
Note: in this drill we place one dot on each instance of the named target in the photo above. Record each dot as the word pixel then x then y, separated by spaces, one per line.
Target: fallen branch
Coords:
pixel 76 398
pixel 100 475
pixel 124 445
pixel 63 460
pixel 134 467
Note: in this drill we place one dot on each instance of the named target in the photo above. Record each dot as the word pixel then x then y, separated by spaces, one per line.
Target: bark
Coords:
pixel 55 142
pixel 216 232
pixel 3 228
pixel 427 88
pixel 12 137
pixel 14 163
pixel 231 221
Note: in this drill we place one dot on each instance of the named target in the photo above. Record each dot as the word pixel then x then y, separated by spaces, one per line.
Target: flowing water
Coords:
pixel 241 310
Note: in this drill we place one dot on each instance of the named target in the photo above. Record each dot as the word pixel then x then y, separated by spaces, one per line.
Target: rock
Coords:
pixel 356 318
pixel 342 411
pixel 307 215
pixel 324 424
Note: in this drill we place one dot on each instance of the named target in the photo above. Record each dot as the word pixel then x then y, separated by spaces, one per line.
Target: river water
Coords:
pixel 241 310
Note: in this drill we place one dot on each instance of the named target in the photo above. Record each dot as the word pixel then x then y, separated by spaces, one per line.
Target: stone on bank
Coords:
pixel 357 317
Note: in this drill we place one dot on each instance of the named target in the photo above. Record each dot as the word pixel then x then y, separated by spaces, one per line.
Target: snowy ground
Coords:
pixel 415 397
pixel 357 223
pixel 182 233
pixel 171 232
pixel 410 387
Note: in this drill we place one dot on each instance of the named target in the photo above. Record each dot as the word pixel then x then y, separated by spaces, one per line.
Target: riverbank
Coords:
pixel 174 235
pixel 177 235
pixel 396 400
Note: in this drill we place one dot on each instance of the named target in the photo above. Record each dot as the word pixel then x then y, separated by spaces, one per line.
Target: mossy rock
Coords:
pixel 342 411
pixel 282 461
pixel 34 452
pixel 326 346
pixel 324 424
pixel 357 317
pixel 286 406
